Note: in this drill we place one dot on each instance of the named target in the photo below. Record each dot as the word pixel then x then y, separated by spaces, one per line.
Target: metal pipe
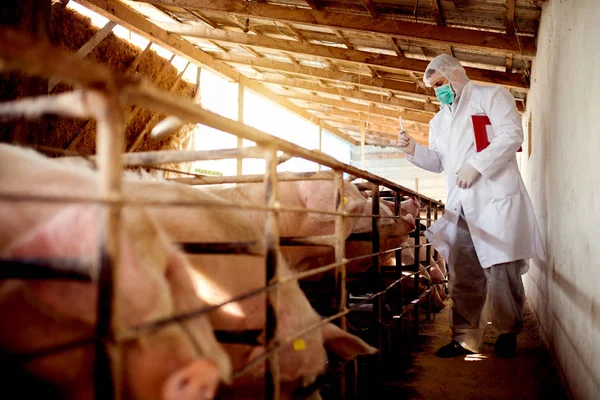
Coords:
pixel 46 268
pixel 272 378
pixel 340 253
pixel 427 257
pixel 417 236
pixel 11 197
pixel 282 176
pixel 398 254
pixel 109 144
pixel 378 304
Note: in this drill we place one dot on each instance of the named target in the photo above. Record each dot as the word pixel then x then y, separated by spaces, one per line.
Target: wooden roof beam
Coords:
pixel 396 48
pixel 436 8
pixel 129 18
pixel 510 29
pixel 336 53
pixel 345 41
pixel 202 18
pixel 359 117
pixel 486 41
pixel 315 99
pixel 314 4
pixel 252 51
pixel 297 34
pixel 370 6
pixel 356 94
pixel 510 17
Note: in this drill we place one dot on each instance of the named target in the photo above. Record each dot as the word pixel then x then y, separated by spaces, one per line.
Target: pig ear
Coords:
pixel 343 344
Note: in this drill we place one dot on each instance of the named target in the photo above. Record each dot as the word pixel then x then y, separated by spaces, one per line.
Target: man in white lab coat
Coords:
pixel 489 228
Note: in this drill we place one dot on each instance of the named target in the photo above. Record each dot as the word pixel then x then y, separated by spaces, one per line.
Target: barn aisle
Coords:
pixel 530 375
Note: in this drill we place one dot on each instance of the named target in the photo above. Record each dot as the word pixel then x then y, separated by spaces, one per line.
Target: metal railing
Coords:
pixel 103 95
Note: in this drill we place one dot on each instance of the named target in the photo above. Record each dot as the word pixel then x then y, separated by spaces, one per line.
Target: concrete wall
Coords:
pixel 563 181
pixel 389 163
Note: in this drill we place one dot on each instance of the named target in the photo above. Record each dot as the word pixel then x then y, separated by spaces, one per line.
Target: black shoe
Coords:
pixel 452 349
pixel 506 345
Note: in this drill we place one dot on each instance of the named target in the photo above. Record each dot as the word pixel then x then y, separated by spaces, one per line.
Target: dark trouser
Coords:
pixel 475 290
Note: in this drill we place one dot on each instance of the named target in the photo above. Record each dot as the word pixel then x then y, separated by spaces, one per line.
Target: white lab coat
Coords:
pixel 497 208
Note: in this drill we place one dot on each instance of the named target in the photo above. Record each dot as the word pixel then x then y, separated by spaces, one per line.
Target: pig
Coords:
pixel 177 361
pixel 392 233
pixel 217 278
pixel 302 194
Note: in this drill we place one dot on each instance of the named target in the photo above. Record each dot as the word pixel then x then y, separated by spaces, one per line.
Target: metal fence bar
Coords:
pixel 417 236
pixel 340 253
pixel 109 144
pixel 272 378
pixel 427 257
pixel 378 303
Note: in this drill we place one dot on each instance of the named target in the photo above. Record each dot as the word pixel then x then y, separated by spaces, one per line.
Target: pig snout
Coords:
pixel 197 381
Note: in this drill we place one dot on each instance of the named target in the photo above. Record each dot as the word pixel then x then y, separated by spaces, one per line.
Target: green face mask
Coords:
pixel 445 94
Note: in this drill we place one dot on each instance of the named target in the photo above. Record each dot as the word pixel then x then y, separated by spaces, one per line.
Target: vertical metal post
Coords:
pixel 378 305
pixel 398 254
pixel 109 145
pixel 240 141
pixel 340 252
pixel 428 257
pixel 417 236
pixel 272 389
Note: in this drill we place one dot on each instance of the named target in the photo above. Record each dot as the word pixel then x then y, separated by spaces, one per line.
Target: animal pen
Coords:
pixel 103 95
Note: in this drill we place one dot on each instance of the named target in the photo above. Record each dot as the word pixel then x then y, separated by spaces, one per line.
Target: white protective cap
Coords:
pixel 450 68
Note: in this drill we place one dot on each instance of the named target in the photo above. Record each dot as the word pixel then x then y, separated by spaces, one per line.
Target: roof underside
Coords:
pixel 350 62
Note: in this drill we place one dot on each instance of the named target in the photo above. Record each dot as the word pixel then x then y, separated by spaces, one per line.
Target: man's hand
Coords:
pixel 406 143
pixel 466 176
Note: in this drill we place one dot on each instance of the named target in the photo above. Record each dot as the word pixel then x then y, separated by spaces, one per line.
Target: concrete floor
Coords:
pixel 530 375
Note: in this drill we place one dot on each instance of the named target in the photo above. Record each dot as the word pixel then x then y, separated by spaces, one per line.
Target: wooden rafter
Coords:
pixel 131 19
pixel 436 8
pixel 326 74
pixel 314 4
pixel 416 117
pixel 489 42
pixel 335 53
pixel 396 48
pixel 510 17
pixel 218 46
pixel 202 18
pixel 359 117
pixel 359 95
pixel 370 6
pixel 343 38
pixel 252 51
pixel 297 34
pixel 510 29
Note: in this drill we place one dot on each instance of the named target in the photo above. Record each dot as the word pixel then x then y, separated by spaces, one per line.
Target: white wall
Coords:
pixel 563 181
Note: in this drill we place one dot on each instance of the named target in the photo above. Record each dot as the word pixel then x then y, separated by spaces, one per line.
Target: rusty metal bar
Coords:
pixel 340 254
pixel 149 158
pixel 378 304
pixel 427 257
pixel 158 203
pixel 272 378
pixel 109 144
pixel 282 176
pixel 417 236
pixel 398 253
pixel 46 268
